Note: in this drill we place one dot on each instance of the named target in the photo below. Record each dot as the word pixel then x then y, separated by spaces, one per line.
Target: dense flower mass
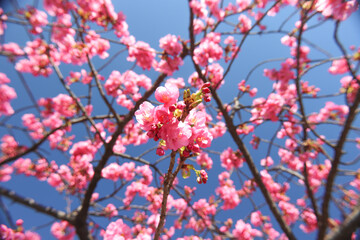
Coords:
pixel 175 122
pixel 244 99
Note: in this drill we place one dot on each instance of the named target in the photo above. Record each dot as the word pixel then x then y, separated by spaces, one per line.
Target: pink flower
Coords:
pixel 110 211
pixel 310 221
pixel 204 160
pixel 290 212
pixel 333 112
pixel 215 73
pixel 63 230
pixel 176 135
pixel 229 195
pixel 178 82
pixel 145 115
pixel 117 230
pixel 202 136
pixel 97 45
pixel 267 109
pixel 218 130
pixel 6 94
pixel 209 50
pixel 37 19
pixel 267 161
pixel 336 9
pixel 12 48
pixel 168 65
pixel 146 172
pixel 244 231
pixel 244 129
pixel 5 173
pixel 350 86
pixel 244 23
pixel 256 218
pixel 56 7
pixel 120 26
pixel 198 26
pixel 167 95
pixel 171 45
pixel 3 18
pixel 242 4
pixel 289 41
pixel 34 125
pixel 111 172
pixel 199 8
pixel 142 53
pixel 38 61
pixel 65 105
pixel 230 159
pixel 339 66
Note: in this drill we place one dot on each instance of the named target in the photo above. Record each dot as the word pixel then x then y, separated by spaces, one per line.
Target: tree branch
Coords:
pixel 31 203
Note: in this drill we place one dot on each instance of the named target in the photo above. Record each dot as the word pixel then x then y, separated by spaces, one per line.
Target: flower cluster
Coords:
pixel 18 233
pixel 175 122
pixel 6 94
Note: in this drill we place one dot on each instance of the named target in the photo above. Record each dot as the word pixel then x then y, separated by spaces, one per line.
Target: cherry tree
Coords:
pixel 124 139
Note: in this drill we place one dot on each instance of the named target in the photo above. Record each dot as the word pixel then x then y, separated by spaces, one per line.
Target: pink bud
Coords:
pixel 19 222
pixel 186 153
pixel 160 151
pixel 172 108
pixel 150 134
pixel 206 85
pixel 206 90
pixel 180 105
pixel 198 179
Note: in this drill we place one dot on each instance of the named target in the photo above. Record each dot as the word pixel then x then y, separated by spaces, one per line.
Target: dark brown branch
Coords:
pixel 168 181
pixel 348 226
pixel 323 224
pixel 31 203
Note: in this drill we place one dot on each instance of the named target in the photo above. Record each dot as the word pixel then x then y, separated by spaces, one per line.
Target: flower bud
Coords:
pixel 206 90
pixel 205 85
pixel 172 108
pixel 160 151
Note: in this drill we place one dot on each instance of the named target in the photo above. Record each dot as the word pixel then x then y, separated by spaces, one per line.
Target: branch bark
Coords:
pixel 31 203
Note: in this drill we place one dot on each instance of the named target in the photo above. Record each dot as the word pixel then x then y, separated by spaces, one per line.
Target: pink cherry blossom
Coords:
pixel 63 230
pixel 209 50
pixel 168 94
pixel 145 115
pixel 244 23
pixel 230 159
pixel 310 221
pixel 3 18
pixel 244 231
pixel 117 230
pixel 143 54
pixel 176 135
pixel 110 211
pixel 171 45
pixel 336 9
pixel 227 192
pixel 37 19
pixel 290 212
pixel 339 66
